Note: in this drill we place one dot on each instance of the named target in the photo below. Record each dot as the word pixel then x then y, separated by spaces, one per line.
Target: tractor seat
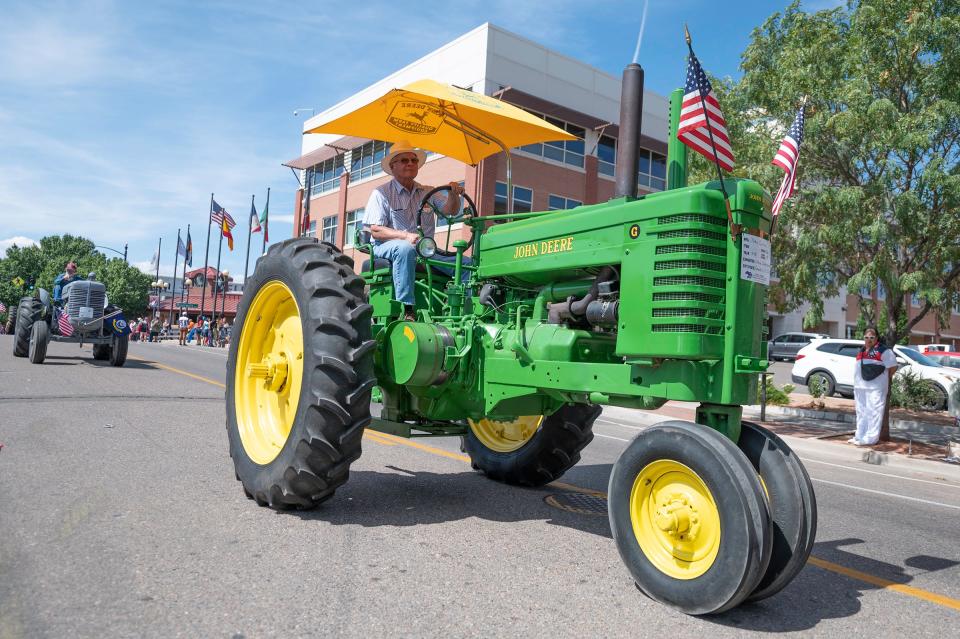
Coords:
pixel 378 263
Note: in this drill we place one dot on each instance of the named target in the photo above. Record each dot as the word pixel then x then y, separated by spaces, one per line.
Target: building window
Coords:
pixel 557 202
pixel 568 152
pixel 607 156
pixel 522 199
pixel 653 170
pixel 329 229
pixel 365 159
pixel 915 300
pixel 312 231
pixel 354 219
pixel 325 176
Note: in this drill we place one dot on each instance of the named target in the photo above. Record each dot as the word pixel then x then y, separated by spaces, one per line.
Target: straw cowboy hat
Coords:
pixel 401 147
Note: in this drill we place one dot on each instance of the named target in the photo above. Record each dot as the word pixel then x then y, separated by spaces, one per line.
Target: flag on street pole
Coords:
pixel 254 219
pixel 181 248
pixel 155 260
pixel 225 231
pixel 702 126
pixel 218 215
pixel 786 158
pixel 188 256
pixel 63 323
pixel 265 220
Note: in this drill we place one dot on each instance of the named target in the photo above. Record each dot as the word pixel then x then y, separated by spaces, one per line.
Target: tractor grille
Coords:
pixel 82 294
pixel 700 310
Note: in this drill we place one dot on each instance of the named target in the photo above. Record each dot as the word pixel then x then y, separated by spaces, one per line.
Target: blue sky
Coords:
pixel 118 119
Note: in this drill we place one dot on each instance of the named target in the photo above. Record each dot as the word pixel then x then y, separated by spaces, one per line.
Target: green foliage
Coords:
pixel 127 287
pixel 909 390
pixel 879 177
pixel 816 387
pixel 775 396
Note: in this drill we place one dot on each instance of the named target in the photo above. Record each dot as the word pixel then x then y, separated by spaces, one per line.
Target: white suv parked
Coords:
pixel 832 361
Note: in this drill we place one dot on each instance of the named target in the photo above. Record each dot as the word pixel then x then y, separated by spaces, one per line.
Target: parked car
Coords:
pixel 832 362
pixel 787 346
pixel 933 348
pixel 951 360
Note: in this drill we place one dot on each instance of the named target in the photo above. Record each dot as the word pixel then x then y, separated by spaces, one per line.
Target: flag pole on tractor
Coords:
pixel 187 259
pixel 253 221
pixel 787 157
pixel 206 260
pixel 702 125
pixel 265 220
pixel 156 307
pixel 173 287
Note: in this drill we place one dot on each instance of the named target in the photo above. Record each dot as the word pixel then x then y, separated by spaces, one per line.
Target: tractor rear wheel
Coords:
pixel 27 313
pixel 39 337
pixel 793 506
pixel 689 517
pixel 531 451
pixel 299 375
pixel 118 350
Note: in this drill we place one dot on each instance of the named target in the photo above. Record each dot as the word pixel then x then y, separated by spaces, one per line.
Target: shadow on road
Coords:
pixel 820 593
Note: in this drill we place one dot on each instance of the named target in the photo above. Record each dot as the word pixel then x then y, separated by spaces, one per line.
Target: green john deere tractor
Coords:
pixel 629 303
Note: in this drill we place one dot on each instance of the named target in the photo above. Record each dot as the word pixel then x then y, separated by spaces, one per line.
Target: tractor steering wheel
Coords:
pixel 449 218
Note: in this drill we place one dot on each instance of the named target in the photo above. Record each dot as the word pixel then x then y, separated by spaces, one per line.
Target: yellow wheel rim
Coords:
pixel 268 372
pixel 675 519
pixel 506 436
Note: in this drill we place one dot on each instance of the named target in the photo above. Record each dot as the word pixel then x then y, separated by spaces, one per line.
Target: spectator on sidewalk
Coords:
pixel 184 324
pixel 872 376
pixel 155 325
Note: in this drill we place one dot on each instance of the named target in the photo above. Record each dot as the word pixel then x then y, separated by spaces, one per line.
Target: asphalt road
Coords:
pixel 120 517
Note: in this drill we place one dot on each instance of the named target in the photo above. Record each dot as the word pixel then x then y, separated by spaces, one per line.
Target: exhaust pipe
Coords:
pixel 631 118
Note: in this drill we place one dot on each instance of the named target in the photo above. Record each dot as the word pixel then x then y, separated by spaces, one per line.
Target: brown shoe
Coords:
pixel 409 314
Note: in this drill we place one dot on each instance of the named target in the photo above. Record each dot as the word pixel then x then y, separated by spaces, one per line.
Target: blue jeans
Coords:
pixel 403 258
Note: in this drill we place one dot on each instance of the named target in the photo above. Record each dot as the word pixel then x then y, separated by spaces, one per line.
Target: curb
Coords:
pixel 898 425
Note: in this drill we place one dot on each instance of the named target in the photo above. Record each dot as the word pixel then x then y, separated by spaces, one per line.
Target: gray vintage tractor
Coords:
pixel 85 309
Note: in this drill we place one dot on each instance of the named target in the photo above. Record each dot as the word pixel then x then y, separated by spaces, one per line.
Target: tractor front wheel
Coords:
pixel 118 350
pixel 689 517
pixel 299 375
pixel 531 451
pixel 39 338
pixel 793 506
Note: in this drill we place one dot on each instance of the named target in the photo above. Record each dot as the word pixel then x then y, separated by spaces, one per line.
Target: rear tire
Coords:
pixel 27 313
pixel 689 518
pixel 792 502
pixel 297 457
pixel 118 350
pixel 827 384
pixel 937 400
pixel 39 337
pixel 551 451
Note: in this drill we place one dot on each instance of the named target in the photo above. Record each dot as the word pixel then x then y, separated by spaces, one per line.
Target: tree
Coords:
pixel 879 183
pixel 126 286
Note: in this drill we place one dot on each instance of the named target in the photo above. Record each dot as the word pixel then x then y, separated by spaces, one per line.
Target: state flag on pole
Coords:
pixel 220 215
pixel 188 258
pixel 786 158
pixel 155 260
pixel 181 248
pixel 225 230
pixel 63 323
pixel 698 123
pixel 254 219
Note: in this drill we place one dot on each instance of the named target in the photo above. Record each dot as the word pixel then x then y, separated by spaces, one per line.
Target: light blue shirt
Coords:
pixel 394 206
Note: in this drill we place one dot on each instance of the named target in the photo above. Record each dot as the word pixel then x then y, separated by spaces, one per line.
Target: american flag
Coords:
pixel 786 158
pixel 3 307
pixel 219 214
pixel 692 129
pixel 66 328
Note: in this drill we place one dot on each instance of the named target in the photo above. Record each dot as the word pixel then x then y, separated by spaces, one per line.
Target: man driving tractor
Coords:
pixel 391 216
pixel 69 275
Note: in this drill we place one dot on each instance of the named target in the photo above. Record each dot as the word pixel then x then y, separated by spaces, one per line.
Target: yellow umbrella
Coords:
pixel 455 122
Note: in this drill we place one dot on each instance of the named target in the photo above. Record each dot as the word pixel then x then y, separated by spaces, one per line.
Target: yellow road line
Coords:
pixel 886 584
pixel 392 440
pixel 178 371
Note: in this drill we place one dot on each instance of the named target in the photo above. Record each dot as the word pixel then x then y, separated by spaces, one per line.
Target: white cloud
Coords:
pixel 19 240
pixel 285 219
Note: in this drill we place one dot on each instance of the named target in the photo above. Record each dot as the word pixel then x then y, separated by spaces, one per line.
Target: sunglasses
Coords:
pixel 406 161
pixel 869 337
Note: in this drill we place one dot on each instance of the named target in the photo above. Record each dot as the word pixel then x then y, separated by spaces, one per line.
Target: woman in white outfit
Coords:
pixel 872 376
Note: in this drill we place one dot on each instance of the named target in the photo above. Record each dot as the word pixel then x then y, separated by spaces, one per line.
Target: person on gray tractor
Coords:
pixel 69 275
